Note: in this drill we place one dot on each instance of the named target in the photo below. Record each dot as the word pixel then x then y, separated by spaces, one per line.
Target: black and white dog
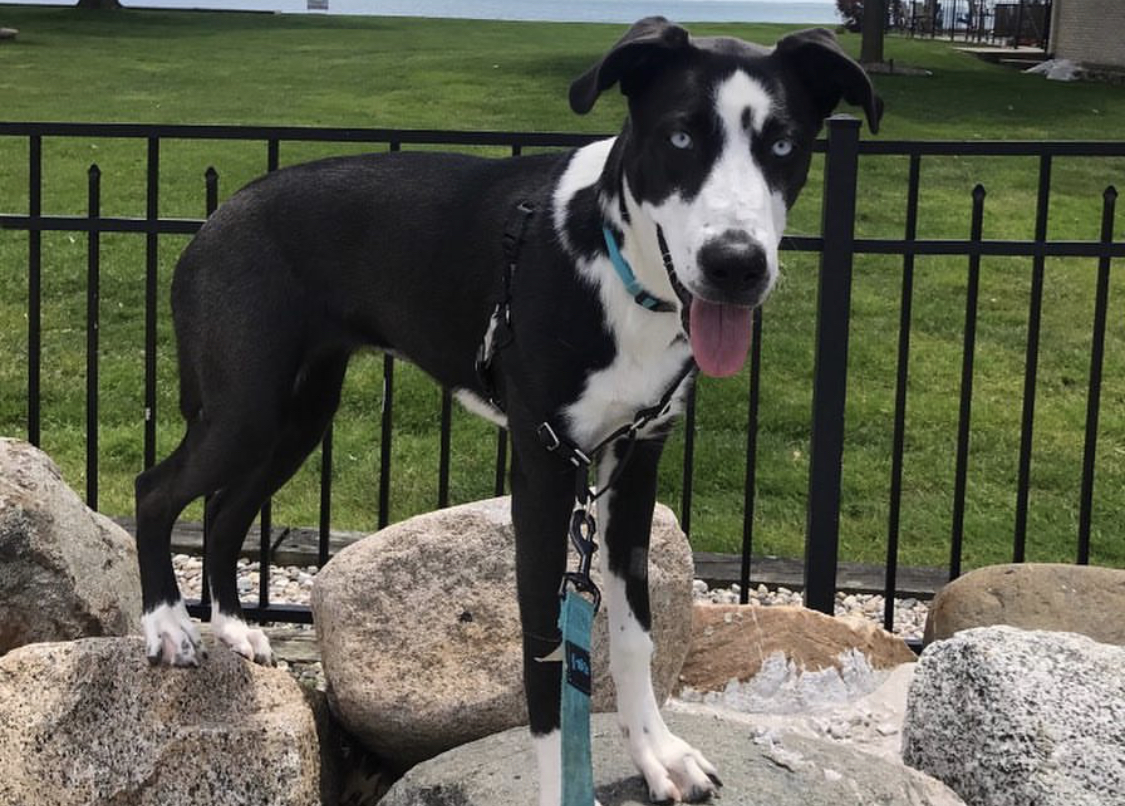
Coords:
pixel 403 252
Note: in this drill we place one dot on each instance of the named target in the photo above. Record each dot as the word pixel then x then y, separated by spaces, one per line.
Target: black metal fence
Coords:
pixel 837 246
pixel 1015 23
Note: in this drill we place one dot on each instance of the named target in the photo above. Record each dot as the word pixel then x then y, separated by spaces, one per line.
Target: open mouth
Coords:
pixel 719 331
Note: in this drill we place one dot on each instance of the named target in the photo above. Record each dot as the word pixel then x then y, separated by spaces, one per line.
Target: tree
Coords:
pixel 874 21
pixel 868 16
pixel 851 11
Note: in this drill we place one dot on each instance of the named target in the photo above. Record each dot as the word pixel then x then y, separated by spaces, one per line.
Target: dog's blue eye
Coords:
pixel 782 147
pixel 680 139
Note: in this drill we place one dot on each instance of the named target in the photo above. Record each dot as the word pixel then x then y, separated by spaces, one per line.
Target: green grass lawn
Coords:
pixel 177 67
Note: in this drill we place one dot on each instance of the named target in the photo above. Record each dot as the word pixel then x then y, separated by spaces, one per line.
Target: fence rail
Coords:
pixel 837 245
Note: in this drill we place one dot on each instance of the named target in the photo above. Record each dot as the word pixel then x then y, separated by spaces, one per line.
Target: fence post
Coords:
pixel 826 448
pixel 93 295
pixel 34 287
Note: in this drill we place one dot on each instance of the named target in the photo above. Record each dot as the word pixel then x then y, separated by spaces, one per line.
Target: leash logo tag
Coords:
pixel 578 671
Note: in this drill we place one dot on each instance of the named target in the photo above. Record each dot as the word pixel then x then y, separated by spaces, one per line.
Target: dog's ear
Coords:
pixel 644 47
pixel 829 73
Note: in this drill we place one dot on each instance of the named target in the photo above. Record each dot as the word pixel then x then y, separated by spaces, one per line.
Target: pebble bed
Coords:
pixel 293 585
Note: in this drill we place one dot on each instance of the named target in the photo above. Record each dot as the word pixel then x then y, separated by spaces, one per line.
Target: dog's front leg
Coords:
pixel 673 769
pixel 542 500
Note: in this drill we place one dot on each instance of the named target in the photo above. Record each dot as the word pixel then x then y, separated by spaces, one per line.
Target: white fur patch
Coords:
pixel 548 754
pixel 582 171
pixel 481 407
pixel 735 196
pixel 171 636
pixel 250 643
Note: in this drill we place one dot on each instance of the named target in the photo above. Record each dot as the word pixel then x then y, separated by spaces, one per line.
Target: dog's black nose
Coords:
pixel 735 267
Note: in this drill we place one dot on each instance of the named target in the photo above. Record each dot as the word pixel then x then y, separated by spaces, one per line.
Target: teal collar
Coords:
pixel 625 272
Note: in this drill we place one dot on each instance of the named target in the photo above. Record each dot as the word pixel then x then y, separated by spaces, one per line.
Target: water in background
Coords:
pixel 617 11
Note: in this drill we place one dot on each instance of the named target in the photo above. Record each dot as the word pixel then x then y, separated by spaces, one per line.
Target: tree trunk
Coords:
pixel 100 5
pixel 874 21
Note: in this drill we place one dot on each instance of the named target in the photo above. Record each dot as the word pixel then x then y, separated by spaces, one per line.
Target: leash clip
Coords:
pixel 582 531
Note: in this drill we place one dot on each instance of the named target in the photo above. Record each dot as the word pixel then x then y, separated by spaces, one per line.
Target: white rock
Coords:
pixel 1009 718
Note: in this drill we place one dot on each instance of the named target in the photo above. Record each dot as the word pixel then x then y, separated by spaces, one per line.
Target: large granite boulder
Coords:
pixel 90 721
pixel 1033 596
pixel 757 767
pixel 732 642
pixel 420 636
pixel 1008 717
pixel 65 571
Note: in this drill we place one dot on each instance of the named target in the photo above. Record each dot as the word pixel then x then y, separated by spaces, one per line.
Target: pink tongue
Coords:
pixel 720 336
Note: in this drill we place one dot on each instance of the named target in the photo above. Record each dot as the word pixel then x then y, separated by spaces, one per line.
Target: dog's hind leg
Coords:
pixel 673 769
pixel 195 468
pixel 232 509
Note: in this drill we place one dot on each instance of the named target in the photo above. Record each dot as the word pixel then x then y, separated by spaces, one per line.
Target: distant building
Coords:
pixel 318 5
pixel 1091 32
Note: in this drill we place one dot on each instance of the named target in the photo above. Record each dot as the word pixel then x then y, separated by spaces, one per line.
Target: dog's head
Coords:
pixel 715 150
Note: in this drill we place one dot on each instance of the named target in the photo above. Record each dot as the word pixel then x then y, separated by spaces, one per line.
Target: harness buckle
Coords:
pixel 552 442
pixel 548 437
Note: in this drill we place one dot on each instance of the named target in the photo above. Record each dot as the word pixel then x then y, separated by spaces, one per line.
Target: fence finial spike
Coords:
pixel 1110 194
pixel 979 192
pixel 94 170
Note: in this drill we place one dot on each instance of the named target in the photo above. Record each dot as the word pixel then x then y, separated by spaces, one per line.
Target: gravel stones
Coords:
pixel 65 571
pixel 420 637
pixel 757 767
pixel 1033 596
pixel 1008 717
pixel 90 721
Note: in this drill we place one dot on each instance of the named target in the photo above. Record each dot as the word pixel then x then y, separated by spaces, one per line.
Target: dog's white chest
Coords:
pixel 649 359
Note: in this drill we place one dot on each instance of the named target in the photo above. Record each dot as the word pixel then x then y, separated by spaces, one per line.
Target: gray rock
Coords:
pixel 1032 596
pixel 419 629
pixel 1008 717
pixel 756 767
pixel 65 571
pixel 90 721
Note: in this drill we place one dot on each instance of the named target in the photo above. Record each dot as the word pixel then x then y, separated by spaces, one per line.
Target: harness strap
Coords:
pixel 499 333
pixel 582 460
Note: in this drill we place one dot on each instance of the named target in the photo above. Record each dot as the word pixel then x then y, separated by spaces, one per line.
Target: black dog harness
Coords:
pixel 500 334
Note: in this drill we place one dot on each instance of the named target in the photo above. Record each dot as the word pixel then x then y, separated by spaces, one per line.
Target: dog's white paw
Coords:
pixel 171 636
pixel 251 644
pixel 673 769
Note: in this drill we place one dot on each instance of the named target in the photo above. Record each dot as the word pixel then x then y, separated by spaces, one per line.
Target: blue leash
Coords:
pixel 576 618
